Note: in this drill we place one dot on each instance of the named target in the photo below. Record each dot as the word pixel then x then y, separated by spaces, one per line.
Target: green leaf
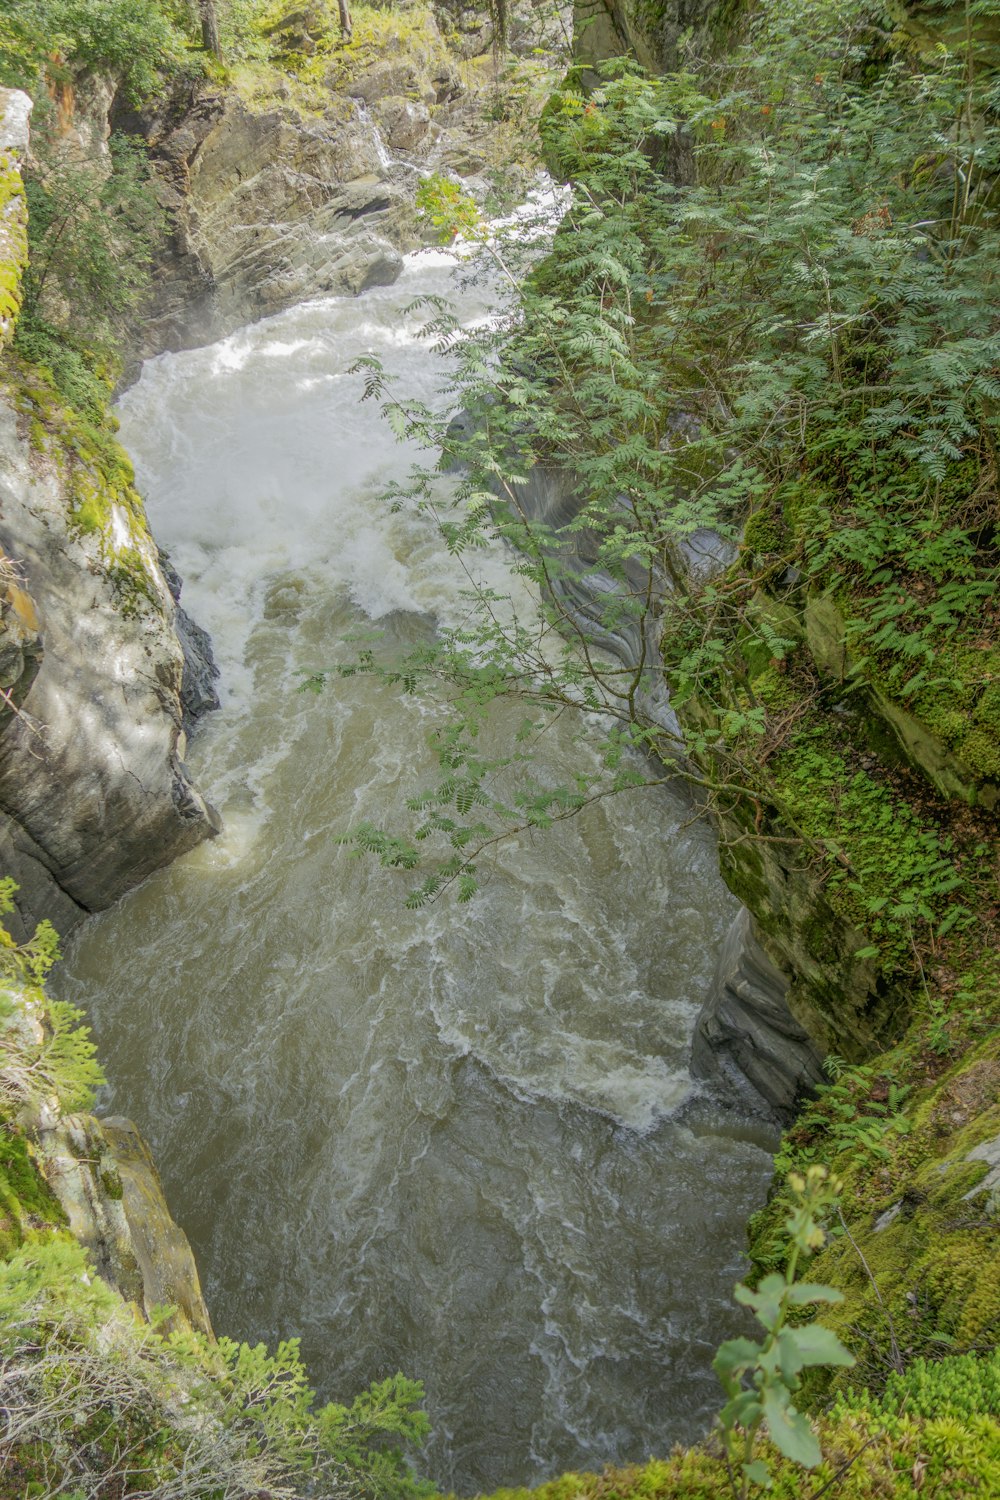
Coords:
pixel 804 1292
pixel 816 1345
pixel 789 1430
pixel 733 1358
pixel 766 1300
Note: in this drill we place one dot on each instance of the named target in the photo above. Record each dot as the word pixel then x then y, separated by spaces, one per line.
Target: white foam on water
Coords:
pixel 441 1140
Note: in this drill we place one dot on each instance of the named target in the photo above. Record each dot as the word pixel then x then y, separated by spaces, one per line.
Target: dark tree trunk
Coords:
pixel 210 28
pixel 346 26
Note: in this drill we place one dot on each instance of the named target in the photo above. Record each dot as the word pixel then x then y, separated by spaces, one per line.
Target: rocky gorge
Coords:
pixel 279 191
pixel 265 204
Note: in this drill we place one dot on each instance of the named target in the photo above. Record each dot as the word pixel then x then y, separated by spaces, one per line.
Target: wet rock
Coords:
pixel 746 1032
pixel 200 673
pixel 403 122
pixel 267 209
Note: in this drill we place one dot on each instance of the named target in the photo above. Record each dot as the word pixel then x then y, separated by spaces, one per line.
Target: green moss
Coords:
pixel 26 1201
pixel 891 867
pixel 775 689
pixel 921 1263
pixel 945 719
pixel 98 478
pixel 111 1182
pixel 91 514
pixel 764 533
pixel 744 874
pixel 980 751
pixel 411 35
pixel 987 710
pixel 13 243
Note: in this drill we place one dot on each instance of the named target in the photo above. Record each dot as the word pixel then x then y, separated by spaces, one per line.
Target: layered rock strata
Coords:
pixel 265 209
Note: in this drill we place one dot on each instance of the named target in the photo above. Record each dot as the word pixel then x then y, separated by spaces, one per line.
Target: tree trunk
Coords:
pixel 210 28
pixel 346 26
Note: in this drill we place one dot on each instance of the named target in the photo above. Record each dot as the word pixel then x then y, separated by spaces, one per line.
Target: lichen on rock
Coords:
pixel 15 112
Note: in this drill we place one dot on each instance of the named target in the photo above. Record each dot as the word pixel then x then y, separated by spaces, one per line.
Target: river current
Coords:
pixel 461 1141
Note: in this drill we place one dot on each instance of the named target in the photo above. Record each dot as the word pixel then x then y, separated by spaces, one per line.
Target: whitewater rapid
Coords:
pixel 458 1141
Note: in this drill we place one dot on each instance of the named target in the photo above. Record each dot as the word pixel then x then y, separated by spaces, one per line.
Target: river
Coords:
pixel 461 1141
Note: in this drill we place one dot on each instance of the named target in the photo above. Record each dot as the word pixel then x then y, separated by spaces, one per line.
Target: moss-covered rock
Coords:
pixel 110 799
pixel 15 109
pixel 651 31
pixel 948 731
pixel 915 1136
pixel 27 1204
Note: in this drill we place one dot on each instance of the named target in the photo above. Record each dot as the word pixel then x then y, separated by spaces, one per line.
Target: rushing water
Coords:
pixel 453 1142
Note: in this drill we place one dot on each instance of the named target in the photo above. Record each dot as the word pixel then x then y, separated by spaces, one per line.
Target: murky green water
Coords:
pixel 450 1141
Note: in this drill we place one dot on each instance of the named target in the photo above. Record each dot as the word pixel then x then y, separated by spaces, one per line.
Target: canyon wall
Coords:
pixel 94 794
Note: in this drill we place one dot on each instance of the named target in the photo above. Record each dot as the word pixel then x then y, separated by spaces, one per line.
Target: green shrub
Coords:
pixel 134 40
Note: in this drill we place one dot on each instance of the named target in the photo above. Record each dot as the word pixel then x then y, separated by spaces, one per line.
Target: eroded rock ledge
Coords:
pixel 94 794
pixel 93 788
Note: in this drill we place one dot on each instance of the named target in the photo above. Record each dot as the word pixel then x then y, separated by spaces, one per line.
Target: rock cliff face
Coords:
pixel 757 1034
pixel 103 1177
pixel 65 1170
pixel 746 1033
pixel 277 190
pixel 266 209
pixel 93 790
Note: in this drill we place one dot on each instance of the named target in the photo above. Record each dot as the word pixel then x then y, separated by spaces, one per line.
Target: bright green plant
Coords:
pixel 134 40
pixel 45 1052
pixel 858 1111
pixel 90 237
pixel 366 1440
pixel 112 1406
pixel 761 1379
pixel 960 1385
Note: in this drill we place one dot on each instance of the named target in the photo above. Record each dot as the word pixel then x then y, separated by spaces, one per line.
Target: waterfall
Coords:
pixel 381 149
